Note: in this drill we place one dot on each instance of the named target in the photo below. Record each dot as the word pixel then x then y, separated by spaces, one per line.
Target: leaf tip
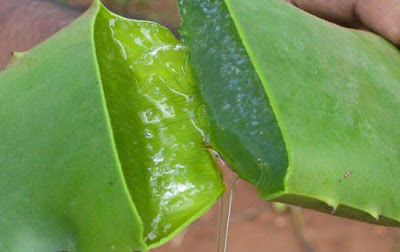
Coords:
pixel 374 214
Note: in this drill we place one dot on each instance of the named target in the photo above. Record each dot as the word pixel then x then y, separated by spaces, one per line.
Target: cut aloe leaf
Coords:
pixel 305 110
pixel 101 146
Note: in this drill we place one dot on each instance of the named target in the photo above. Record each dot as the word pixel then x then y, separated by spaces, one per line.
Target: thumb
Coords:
pixel 380 16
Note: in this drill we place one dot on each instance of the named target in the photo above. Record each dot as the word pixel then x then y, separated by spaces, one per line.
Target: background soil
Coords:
pixel 256 226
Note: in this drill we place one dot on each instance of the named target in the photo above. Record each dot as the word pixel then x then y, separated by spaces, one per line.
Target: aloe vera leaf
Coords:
pixel 78 173
pixel 178 181
pixel 309 109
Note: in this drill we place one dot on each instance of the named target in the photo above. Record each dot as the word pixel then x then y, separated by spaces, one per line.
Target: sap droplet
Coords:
pixel 148 134
pixel 151 236
pixel 158 157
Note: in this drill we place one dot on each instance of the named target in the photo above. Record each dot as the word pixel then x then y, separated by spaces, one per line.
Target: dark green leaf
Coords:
pixel 305 110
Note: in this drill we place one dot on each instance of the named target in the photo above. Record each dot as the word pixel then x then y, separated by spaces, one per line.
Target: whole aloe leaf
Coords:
pixel 101 140
pixel 305 110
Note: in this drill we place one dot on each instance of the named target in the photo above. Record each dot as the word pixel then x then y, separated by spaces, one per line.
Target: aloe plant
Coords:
pixel 305 110
pixel 104 134
pixel 102 140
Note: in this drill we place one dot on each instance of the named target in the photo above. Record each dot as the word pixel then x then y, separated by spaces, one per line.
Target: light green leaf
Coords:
pixel 305 110
pixel 101 142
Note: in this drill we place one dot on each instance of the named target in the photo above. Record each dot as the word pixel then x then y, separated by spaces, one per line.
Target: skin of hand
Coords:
pixel 26 23
pixel 379 16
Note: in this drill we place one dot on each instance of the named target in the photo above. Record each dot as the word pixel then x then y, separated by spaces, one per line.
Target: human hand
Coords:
pixel 25 23
pixel 379 16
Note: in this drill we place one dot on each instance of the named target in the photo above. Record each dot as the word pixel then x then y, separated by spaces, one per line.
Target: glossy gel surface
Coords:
pixel 159 124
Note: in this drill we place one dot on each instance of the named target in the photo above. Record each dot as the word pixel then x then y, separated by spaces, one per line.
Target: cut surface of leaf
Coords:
pixel 158 122
pixel 332 95
pixel 101 144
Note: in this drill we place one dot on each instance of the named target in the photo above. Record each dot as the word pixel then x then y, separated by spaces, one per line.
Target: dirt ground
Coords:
pixel 255 225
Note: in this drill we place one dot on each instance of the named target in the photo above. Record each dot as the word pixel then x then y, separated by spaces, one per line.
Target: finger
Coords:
pixel 380 16
pixel 339 11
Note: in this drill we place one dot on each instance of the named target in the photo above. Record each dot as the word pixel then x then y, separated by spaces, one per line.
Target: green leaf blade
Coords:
pixel 334 92
pixel 240 112
pixel 61 185
pixel 79 163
